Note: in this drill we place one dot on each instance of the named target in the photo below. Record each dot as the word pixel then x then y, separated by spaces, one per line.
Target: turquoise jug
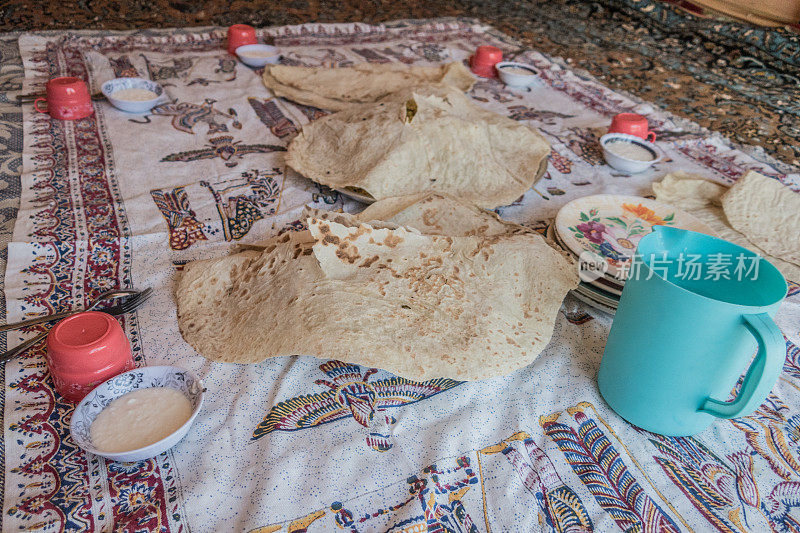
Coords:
pixel 680 340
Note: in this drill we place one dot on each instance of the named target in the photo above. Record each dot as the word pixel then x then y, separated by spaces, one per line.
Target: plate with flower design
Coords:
pixel 611 226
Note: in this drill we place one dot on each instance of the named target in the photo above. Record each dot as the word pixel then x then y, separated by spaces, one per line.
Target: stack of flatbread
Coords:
pixel 339 88
pixel 424 139
pixel 423 287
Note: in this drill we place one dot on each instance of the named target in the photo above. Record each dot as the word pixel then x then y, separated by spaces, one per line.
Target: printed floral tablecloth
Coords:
pixel 300 444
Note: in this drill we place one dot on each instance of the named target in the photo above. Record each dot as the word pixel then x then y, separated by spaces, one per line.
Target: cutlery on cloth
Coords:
pixel 130 304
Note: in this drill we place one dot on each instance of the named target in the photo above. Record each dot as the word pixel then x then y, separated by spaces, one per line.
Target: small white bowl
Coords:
pixel 140 378
pixel 133 106
pixel 513 79
pixel 625 164
pixel 271 55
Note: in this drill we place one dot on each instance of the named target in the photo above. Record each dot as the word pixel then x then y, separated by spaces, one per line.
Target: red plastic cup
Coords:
pixel 484 59
pixel 68 98
pixel 84 350
pixel 632 124
pixel 240 35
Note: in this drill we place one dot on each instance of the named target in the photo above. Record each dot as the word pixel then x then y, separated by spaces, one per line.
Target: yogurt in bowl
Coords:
pixel 138 414
pixel 133 95
pixel 629 153
pixel 258 55
pixel 516 74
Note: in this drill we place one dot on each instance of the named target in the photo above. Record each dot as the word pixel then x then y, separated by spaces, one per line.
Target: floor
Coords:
pixel 741 81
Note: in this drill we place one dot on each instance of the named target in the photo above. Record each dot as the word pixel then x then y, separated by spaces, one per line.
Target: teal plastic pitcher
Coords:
pixel 691 316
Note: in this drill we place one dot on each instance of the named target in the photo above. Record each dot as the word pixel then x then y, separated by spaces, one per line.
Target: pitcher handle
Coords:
pixel 763 371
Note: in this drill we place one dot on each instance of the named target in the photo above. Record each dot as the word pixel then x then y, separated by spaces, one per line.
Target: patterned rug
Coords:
pixel 736 79
pixel 298 444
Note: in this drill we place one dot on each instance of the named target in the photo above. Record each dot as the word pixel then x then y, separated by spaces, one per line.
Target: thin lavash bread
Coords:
pixel 338 88
pixel 420 306
pixel 767 212
pixel 423 139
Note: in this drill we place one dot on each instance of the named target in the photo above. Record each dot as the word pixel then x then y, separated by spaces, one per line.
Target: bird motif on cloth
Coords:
pixel 272 116
pixel 351 394
pixel 185 116
pixel 184 228
pixel 521 112
pixel 123 67
pixel 242 202
pixel 560 508
pixel 225 148
pixel 175 67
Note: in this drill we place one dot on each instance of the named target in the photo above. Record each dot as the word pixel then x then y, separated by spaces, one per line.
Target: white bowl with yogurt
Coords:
pixel 138 414
pixel 258 55
pixel 133 95
pixel 629 153
pixel 516 74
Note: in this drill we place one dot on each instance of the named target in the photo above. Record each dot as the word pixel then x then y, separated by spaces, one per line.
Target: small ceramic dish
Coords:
pixel 140 378
pixel 517 74
pixel 258 55
pixel 133 106
pixel 632 144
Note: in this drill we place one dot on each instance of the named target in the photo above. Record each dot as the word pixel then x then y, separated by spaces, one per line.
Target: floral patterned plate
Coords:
pixel 611 226
pixel 605 282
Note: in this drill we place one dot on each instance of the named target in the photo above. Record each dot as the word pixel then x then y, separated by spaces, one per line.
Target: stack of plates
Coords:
pixel 609 226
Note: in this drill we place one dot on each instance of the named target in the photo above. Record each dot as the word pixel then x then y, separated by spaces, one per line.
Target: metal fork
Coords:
pixel 105 298
pixel 132 303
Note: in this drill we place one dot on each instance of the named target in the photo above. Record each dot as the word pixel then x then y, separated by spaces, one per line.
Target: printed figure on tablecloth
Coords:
pixel 435 52
pixel 724 163
pixel 522 112
pixel 329 58
pixel 584 143
pixel 723 490
pixel 431 501
pixel 242 202
pixel 497 92
pixel 397 55
pixel 184 228
pixel 226 67
pixel 225 148
pixel 173 68
pixel 123 67
pixel 371 55
pixel 185 116
pixel 560 509
pixel 311 113
pixel 271 115
pixel 560 163
pixel 351 395
pixel 438 492
pixel 601 468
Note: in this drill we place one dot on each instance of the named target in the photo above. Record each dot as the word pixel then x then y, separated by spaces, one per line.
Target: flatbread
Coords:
pixel 767 213
pixel 688 191
pixel 339 88
pixel 425 139
pixel 704 201
pixel 435 213
pixel 420 306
